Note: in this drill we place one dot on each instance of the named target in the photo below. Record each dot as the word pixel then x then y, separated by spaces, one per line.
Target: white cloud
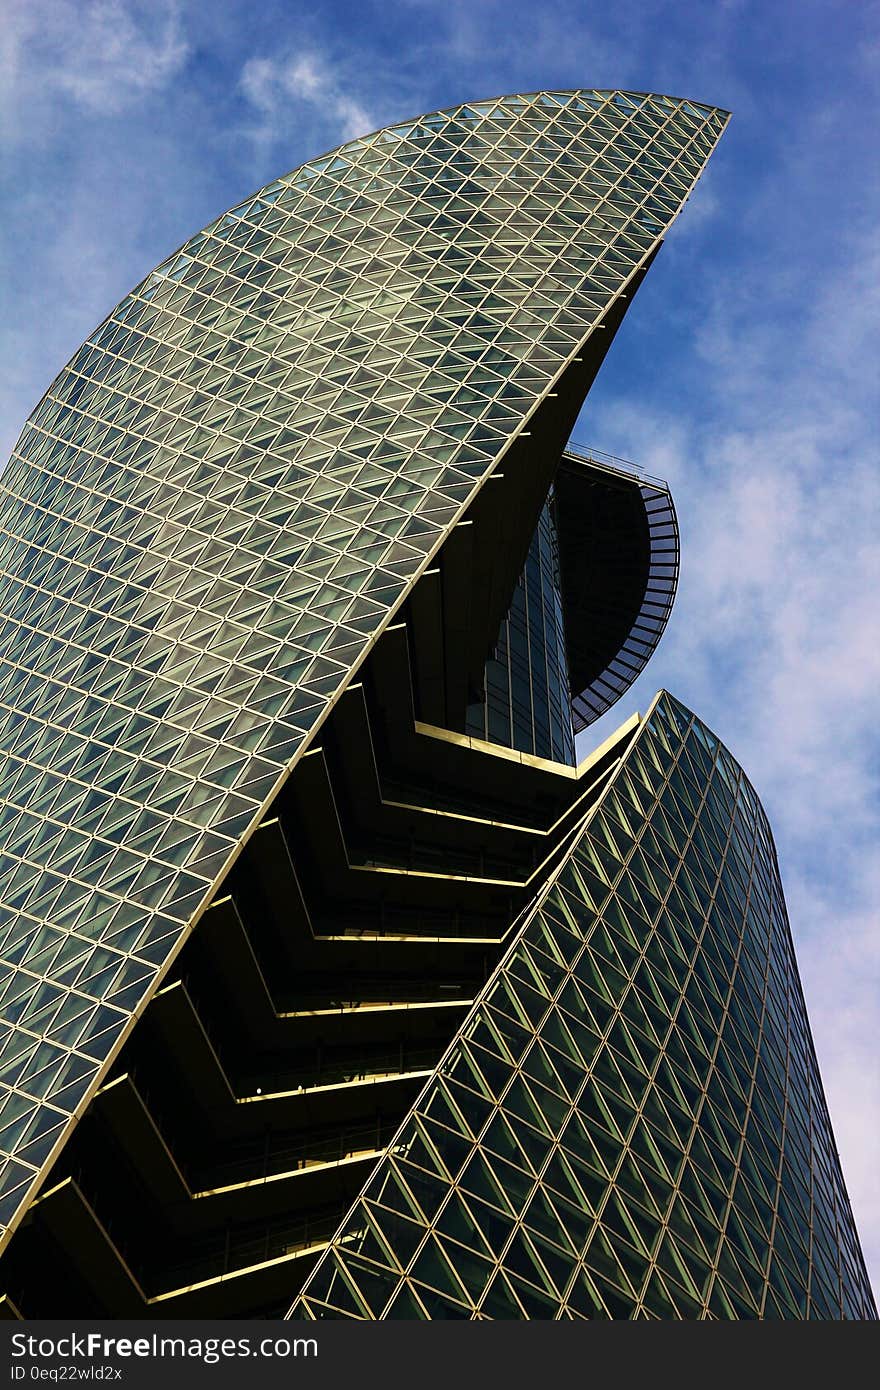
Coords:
pixel 839 956
pixel 101 54
pixel 276 87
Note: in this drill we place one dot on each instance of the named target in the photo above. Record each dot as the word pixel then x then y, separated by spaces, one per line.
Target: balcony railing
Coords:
pixel 612 463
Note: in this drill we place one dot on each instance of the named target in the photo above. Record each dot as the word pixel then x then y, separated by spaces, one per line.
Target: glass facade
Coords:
pixel 527 704
pixel 630 1123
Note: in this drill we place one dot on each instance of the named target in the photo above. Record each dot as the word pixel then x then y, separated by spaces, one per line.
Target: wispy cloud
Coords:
pixel 100 54
pixel 839 955
pixel 277 88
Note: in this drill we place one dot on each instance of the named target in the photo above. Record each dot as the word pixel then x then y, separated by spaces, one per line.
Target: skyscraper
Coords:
pixel 332 983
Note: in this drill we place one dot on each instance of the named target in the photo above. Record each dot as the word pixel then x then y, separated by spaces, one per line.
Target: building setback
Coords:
pixel 332 984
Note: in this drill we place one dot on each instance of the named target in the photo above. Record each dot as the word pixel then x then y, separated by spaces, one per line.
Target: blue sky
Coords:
pixel 746 372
